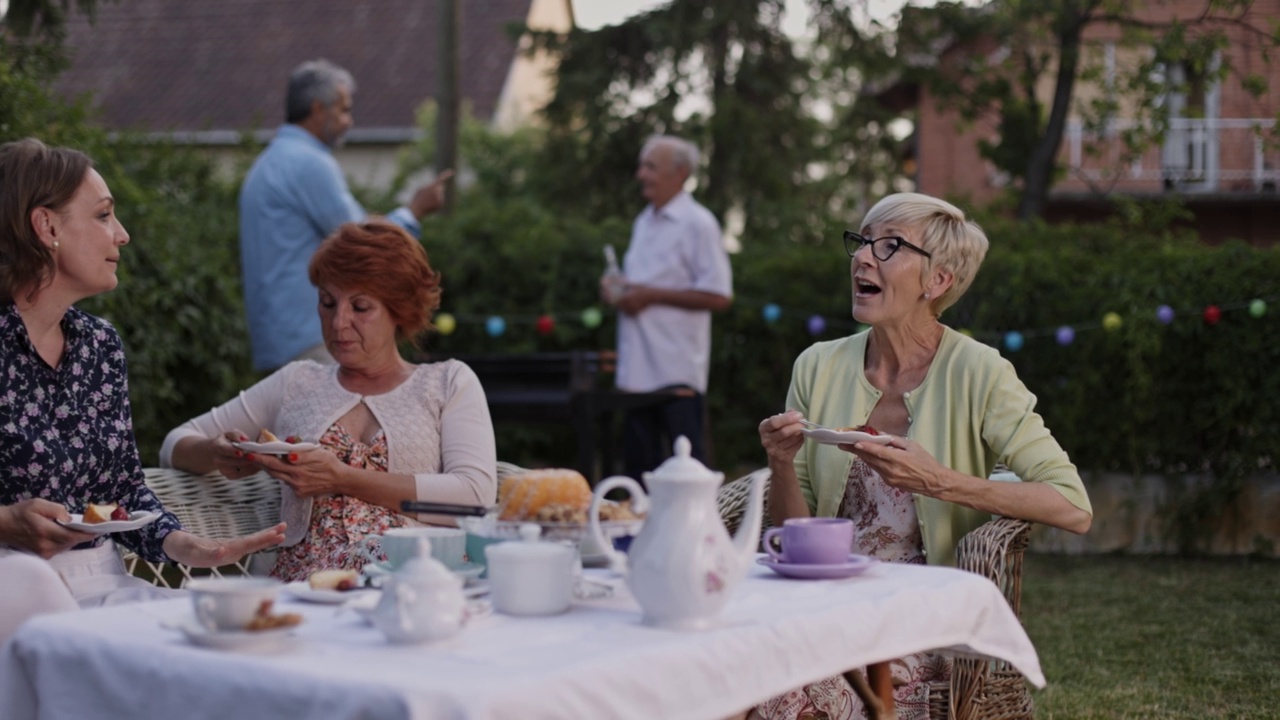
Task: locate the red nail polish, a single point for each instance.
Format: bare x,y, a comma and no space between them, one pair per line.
239,454
249,457
293,457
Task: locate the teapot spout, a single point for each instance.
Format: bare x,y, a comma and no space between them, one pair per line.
747,540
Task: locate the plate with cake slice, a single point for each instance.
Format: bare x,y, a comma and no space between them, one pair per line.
847,435
109,518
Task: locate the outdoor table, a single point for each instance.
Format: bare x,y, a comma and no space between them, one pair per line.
596,661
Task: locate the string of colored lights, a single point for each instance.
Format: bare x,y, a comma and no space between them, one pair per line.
772,313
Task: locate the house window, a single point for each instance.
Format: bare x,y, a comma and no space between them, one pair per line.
1189,156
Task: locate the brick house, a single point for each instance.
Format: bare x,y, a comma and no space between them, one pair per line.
1220,154
206,72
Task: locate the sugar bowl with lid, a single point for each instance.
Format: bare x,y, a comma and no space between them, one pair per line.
531,576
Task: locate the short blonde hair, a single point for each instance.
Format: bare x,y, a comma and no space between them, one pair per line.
958,244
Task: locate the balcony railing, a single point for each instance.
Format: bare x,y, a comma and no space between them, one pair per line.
1197,156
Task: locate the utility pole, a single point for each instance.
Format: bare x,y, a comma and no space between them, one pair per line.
447,100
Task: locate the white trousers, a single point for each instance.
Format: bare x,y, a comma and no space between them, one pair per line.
29,586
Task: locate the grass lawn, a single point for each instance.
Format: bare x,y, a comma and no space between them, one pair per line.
1144,637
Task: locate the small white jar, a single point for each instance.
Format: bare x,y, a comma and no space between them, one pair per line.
529,577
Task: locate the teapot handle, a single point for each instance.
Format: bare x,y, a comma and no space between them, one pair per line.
617,560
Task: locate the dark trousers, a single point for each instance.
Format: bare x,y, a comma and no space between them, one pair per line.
649,433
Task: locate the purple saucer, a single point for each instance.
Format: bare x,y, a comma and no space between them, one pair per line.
855,565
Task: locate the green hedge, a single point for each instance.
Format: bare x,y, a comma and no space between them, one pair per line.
1186,397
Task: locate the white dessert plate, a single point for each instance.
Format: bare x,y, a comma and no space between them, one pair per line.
302,590
232,639
827,436
137,519
279,447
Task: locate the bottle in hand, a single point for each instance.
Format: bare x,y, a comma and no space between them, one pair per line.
615,283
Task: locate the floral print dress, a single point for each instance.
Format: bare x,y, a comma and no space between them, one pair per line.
340,523
886,528
66,432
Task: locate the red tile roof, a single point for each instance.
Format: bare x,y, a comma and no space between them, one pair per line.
195,65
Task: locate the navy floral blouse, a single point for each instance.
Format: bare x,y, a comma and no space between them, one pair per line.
66,433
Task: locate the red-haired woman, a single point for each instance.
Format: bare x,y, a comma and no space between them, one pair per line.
389,430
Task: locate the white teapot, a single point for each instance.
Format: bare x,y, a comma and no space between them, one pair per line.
683,564
421,602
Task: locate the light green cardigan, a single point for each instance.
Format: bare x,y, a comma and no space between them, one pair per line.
970,412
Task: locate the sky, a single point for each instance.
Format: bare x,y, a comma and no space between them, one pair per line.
591,14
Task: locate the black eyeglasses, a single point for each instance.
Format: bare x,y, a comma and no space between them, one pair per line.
890,245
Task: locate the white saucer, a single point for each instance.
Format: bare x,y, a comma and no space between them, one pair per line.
855,565
468,570
232,639
302,590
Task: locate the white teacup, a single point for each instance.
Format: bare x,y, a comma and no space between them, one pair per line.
230,604
530,577
400,544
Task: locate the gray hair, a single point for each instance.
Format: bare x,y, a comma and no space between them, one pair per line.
684,154
958,244
311,81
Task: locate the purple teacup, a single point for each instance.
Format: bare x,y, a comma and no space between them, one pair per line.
811,541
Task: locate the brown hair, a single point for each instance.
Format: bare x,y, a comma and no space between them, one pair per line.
32,175
379,258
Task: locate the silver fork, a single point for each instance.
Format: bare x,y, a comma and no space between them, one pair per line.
813,425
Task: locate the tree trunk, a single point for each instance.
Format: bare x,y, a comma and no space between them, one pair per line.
720,150
1043,160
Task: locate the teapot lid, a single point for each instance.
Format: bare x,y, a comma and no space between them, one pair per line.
423,568
683,466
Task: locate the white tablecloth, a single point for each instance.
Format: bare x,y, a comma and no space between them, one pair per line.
596,661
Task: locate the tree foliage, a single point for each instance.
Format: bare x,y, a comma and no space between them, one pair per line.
178,306
1029,63
783,145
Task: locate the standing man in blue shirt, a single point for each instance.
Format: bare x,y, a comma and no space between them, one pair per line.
294,196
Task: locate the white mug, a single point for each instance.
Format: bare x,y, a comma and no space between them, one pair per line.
230,604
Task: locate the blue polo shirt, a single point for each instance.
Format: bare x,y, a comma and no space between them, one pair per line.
294,196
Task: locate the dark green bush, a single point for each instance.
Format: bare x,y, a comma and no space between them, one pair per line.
178,305
1183,398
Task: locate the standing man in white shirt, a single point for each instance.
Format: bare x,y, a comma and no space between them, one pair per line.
677,272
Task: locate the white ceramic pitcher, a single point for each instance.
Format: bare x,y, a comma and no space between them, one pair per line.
683,564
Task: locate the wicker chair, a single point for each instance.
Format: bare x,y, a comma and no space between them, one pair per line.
215,507
979,688
211,506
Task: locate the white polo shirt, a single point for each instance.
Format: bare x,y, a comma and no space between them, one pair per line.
678,247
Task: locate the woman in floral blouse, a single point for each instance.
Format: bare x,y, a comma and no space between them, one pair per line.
389,430
66,429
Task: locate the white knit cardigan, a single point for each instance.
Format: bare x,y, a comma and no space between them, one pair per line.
436,424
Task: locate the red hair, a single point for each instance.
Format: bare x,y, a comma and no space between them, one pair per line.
380,259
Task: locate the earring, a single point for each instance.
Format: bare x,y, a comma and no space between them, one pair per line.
926,296
55,246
